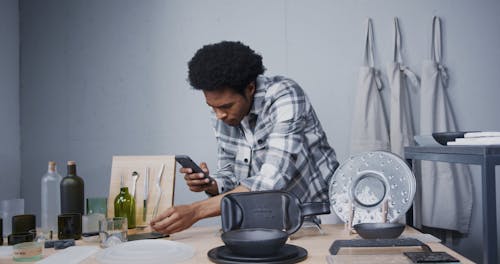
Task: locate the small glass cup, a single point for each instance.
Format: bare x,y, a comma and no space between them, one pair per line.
97,205
23,223
9,208
28,251
112,231
69,226
90,223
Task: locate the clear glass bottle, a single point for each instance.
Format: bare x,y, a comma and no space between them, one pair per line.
51,205
125,205
72,192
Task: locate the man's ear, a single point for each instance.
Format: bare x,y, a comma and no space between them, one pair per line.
250,89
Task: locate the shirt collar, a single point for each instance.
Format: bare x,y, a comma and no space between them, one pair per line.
261,84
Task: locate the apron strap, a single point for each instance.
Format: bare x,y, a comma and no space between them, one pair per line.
368,56
398,57
436,49
397,42
436,40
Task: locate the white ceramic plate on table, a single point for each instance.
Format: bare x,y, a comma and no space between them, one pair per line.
146,251
368,180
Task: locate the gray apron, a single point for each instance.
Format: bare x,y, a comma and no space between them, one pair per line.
369,123
446,188
401,121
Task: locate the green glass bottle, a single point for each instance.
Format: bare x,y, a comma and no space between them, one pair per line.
125,205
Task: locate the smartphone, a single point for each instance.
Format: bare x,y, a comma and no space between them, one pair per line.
187,162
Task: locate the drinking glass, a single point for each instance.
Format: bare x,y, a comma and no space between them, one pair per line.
8,209
97,205
112,231
69,226
96,210
23,223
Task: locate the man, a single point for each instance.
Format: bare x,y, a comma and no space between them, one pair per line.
268,135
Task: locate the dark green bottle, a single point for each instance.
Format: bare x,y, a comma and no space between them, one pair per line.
72,191
125,205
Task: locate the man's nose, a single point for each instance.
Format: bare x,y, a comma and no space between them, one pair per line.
220,114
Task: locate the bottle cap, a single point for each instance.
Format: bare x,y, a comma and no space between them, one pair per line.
71,162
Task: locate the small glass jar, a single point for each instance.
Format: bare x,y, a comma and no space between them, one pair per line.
27,251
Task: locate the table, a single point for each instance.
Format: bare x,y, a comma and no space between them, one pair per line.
205,238
487,157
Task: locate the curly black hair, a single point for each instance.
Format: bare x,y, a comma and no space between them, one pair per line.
225,64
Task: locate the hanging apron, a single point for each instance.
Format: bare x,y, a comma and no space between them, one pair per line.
369,123
401,121
446,187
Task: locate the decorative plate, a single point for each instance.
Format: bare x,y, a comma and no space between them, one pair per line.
366,181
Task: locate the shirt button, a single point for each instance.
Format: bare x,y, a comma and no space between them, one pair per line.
259,141
245,160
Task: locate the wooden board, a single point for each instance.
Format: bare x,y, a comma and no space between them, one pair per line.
126,165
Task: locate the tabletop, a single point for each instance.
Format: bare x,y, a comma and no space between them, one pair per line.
202,239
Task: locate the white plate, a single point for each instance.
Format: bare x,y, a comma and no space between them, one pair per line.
146,251
365,181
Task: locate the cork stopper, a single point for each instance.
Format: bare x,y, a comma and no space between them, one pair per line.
52,166
71,168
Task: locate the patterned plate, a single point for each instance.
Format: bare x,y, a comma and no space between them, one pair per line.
365,181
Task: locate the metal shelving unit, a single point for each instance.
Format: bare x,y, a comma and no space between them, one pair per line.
485,156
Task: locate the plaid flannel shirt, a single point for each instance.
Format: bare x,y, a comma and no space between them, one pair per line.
279,145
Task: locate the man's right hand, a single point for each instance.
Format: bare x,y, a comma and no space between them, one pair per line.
196,181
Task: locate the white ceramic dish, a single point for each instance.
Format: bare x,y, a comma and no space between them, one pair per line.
366,181
146,251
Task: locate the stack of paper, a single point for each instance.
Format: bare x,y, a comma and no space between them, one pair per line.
478,138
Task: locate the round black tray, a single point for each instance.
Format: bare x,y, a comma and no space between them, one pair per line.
287,255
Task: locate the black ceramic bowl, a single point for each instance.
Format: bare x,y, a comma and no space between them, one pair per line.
379,230
444,137
255,242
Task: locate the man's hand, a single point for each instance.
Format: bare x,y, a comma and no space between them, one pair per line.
175,219
180,217
196,181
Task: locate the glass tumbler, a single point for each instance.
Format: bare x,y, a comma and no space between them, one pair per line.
97,205
8,209
112,231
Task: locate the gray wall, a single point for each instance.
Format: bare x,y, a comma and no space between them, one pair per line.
10,150
104,78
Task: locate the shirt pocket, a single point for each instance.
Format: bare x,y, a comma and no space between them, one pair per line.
228,150
261,146
261,136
